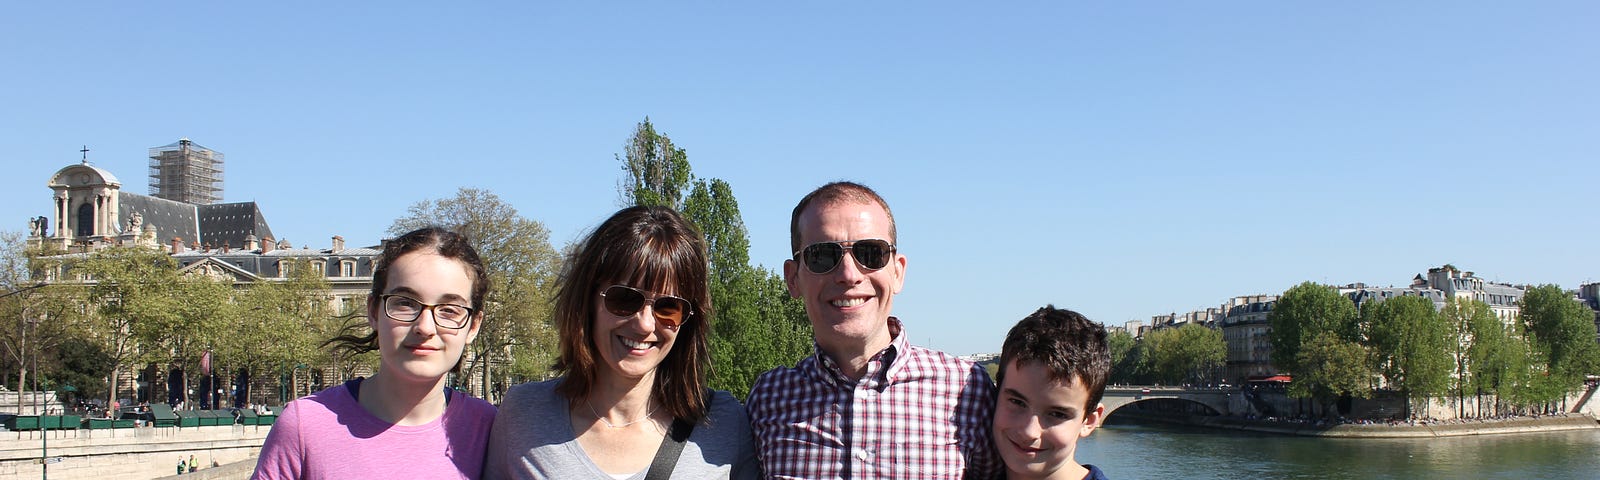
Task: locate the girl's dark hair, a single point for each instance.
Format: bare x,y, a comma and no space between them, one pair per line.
652,248
435,240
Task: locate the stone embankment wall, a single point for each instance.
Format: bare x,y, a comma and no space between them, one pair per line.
1551,423
127,453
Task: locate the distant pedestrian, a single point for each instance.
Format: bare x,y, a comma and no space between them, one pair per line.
193,465
181,466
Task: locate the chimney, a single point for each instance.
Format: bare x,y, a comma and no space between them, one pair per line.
250,243
338,243
266,244
177,245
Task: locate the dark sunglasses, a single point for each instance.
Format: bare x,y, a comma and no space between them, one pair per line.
823,257
624,301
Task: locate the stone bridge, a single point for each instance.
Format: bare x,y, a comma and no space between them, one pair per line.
1221,400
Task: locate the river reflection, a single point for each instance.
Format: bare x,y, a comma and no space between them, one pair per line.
1158,451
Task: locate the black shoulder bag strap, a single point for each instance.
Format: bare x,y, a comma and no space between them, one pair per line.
671,448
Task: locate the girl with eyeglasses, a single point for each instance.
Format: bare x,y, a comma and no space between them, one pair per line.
425,308
633,312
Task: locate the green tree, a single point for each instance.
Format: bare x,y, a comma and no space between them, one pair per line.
1302,313
183,321
1411,346
281,323
1562,330
657,172
35,318
1121,344
1496,360
755,325
1190,353
132,295
522,267
1341,370
81,364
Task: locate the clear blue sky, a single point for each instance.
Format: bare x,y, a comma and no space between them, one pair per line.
1123,159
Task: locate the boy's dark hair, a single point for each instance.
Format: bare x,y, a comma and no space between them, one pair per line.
1069,345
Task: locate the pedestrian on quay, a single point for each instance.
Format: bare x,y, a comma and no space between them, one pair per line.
633,311
862,405
424,310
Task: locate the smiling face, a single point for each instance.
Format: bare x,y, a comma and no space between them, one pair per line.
1039,421
631,347
849,305
421,351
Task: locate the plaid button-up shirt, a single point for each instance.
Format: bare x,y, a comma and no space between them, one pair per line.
917,413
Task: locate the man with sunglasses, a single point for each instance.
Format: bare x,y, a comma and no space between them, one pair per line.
866,404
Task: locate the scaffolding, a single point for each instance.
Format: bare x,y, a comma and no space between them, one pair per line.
186,172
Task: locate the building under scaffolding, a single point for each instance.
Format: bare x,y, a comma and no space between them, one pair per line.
186,172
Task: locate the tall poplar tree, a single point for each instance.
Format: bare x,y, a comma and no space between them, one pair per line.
755,324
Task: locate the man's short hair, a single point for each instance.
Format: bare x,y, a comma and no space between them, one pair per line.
1063,341
842,191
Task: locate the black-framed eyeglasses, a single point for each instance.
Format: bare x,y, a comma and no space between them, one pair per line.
823,257
624,301
405,309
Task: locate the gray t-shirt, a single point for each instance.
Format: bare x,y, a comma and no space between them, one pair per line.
533,439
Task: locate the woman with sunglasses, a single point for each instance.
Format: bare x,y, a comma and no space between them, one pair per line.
633,313
425,307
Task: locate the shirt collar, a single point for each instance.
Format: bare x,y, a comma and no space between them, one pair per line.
894,355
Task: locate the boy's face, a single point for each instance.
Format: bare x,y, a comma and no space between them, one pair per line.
1039,421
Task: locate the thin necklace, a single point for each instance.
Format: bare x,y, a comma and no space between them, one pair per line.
625,425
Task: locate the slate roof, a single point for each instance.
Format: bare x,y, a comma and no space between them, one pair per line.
230,223
214,224
170,218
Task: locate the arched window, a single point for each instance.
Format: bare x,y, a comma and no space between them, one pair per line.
85,220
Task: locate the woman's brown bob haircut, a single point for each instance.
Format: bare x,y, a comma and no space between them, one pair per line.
650,248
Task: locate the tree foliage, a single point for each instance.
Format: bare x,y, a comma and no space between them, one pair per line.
657,172
745,340
756,325
133,299
1411,345
1302,313
522,267
1562,330
1124,360
1190,353
1496,358
282,323
35,318
1341,369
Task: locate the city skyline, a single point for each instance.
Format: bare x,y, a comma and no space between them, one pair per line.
1124,161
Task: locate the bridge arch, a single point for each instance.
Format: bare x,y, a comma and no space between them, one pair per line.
1219,401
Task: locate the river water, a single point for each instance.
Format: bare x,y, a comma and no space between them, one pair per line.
1128,451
